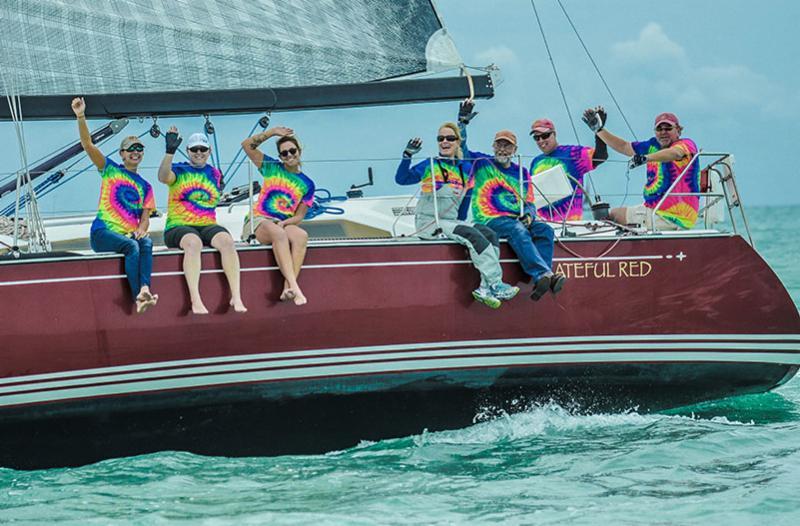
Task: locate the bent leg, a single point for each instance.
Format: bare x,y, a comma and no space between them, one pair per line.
268,232
521,243
481,252
108,241
543,239
298,244
192,247
223,242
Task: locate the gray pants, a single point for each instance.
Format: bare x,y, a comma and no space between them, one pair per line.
481,241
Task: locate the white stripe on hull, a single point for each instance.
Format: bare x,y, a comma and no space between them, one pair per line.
74,279
395,359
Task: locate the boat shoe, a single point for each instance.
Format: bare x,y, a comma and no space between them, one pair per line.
485,296
504,291
557,283
542,286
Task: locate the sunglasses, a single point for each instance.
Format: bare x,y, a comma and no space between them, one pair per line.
541,136
287,152
665,128
448,138
200,149
134,148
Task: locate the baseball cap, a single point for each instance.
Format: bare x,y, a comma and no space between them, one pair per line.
197,139
507,135
542,126
129,141
670,118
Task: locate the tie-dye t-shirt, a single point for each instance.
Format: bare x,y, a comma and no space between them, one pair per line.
123,196
452,172
681,210
193,196
496,189
282,191
576,162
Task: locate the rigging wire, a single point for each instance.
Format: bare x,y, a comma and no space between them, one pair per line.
597,69
555,71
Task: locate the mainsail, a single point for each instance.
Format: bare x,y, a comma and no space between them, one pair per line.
139,57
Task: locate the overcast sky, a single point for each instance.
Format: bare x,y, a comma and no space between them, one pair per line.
727,69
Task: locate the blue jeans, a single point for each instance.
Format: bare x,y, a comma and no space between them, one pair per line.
533,245
138,255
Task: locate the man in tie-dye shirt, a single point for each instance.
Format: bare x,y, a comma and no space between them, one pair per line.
194,192
286,195
667,155
576,161
502,199
123,212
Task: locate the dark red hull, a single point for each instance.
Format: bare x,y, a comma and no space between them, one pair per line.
390,342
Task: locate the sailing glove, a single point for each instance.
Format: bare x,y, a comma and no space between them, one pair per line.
413,146
173,141
637,160
594,118
465,113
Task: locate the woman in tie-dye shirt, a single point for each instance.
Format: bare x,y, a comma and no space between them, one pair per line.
285,197
194,192
123,215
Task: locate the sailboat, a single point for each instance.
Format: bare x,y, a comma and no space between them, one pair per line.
392,343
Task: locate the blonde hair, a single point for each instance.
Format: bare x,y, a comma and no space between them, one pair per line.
454,128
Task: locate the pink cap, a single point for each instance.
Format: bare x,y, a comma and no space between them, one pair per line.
670,118
507,135
542,126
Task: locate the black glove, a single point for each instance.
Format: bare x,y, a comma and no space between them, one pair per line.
413,146
173,141
595,118
637,160
465,113
526,219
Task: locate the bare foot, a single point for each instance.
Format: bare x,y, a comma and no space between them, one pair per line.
299,299
287,294
199,308
238,306
145,301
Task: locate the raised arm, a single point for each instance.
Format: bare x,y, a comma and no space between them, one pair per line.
173,140
94,153
406,175
251,144
595,120
465,115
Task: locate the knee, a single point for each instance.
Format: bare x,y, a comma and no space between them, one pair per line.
223,242
297,236
489,234
191,244
130,247
473,236
544,230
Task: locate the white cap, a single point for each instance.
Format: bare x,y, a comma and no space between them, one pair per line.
198,139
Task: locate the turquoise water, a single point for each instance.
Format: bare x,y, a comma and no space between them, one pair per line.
735,461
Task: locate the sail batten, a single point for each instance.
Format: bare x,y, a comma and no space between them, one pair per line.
58,48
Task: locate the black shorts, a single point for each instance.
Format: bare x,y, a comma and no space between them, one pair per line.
173,236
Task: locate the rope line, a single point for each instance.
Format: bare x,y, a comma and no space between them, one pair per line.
555,71
597,69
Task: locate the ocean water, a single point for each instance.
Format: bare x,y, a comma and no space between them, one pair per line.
734,461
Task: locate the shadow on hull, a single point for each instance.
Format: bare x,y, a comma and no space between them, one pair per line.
317,416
